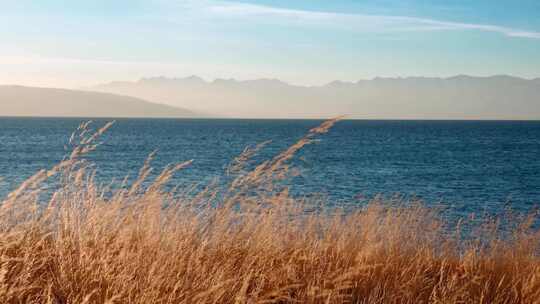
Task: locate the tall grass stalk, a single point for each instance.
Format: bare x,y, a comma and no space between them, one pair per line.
248,243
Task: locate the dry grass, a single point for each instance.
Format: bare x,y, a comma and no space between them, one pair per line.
249,243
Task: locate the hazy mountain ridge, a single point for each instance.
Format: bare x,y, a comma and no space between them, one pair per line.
33,101
457,97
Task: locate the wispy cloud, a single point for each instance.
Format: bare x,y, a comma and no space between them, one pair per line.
354,22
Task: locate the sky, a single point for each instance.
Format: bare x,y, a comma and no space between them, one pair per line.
74,44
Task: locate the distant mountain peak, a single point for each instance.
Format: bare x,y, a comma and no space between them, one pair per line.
461,77
193,79
339,83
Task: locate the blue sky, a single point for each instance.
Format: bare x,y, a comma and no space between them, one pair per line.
77,43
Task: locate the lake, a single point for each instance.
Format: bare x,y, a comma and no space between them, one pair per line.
468,166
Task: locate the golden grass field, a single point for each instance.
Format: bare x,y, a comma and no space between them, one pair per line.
248,243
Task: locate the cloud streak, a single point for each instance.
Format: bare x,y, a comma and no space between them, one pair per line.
352,22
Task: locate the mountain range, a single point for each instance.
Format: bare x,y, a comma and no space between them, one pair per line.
458,97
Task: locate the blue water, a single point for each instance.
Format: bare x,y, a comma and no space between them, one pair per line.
469,166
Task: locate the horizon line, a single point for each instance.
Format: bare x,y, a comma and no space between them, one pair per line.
322,118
